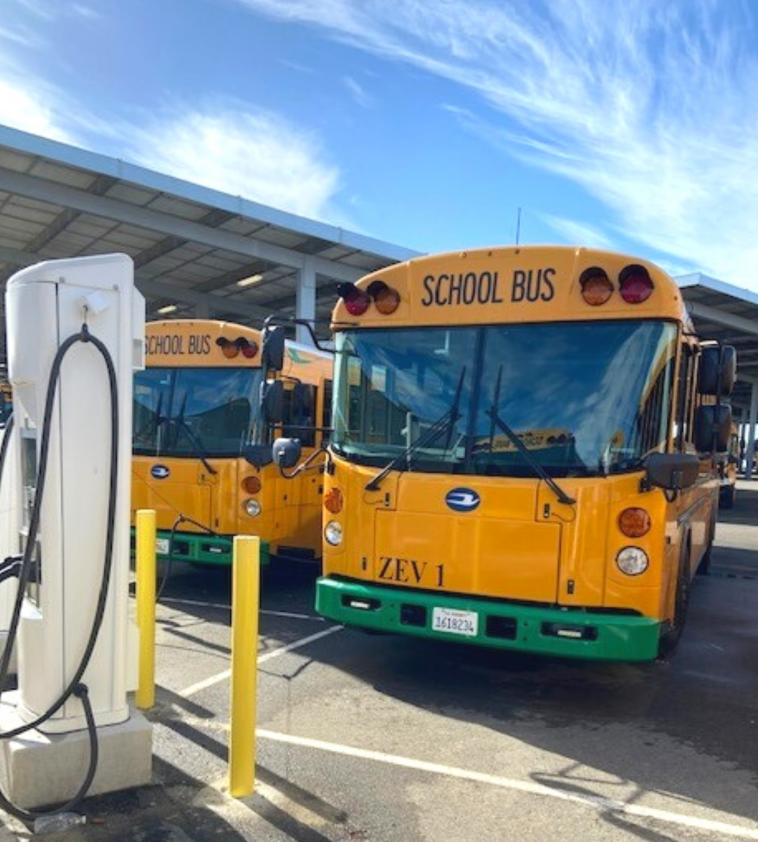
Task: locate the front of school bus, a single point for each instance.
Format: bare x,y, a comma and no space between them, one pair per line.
492,413
197,421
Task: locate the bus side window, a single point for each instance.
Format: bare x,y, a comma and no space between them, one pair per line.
684,400
298,417
652,424
326,413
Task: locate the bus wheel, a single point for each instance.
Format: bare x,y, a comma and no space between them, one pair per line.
704,568
671,637
727,498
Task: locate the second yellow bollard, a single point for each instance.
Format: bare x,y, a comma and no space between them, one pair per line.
145,527
245,606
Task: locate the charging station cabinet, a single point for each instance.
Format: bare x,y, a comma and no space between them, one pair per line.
45,305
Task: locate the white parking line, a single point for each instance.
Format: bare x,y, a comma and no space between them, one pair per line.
266,656
199,604
595,801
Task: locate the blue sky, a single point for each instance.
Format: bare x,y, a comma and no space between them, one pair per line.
626,125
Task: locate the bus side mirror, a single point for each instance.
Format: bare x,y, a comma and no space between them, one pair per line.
286,452
272,401
713,428
718,371
258,455
672,471
272,355
728,369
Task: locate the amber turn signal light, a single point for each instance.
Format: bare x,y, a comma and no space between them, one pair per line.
386,299
252,485
596,286
333,501
634,522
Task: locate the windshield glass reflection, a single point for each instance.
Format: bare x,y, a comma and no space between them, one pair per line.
583,398
194,411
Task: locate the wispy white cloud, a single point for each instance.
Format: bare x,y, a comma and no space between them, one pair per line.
357,92
647,105
254,154
40,8
20,35
86,12
27,106
229,147
293,65
580,233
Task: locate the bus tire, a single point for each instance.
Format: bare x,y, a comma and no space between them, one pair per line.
670,638
704,568
727,498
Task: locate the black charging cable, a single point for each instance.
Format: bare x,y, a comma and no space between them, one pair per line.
75,687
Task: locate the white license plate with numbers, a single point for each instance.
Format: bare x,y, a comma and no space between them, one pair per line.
161,546
453,621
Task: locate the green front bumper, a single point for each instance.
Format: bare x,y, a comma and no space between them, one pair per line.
201,549
545,631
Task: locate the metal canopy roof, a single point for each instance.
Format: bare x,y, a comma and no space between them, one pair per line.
190,245
728,314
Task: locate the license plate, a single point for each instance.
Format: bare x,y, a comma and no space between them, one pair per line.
453,621
161,546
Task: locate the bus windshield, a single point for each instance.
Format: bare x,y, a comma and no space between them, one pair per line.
194,412
582,398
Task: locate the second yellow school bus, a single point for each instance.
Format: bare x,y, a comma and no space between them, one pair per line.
522,454
200,436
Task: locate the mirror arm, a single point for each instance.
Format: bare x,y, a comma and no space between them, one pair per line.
671,494
304,466
273,320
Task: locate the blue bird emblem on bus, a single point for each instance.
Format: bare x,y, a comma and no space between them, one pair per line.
160,471
462,499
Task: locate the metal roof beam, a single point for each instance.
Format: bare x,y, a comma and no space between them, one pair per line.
100,185
18,257
215,303
169,244
44,190
323,293
713,314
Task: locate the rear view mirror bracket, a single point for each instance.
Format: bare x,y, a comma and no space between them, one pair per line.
672,472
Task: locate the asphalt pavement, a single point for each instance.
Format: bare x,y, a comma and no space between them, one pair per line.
395,740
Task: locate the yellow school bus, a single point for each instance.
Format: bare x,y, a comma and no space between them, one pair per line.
201,441
522,454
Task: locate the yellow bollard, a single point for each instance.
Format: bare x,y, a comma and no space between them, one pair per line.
245,605
145,696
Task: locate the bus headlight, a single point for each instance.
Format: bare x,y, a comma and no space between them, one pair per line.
252,507
632,561
333,533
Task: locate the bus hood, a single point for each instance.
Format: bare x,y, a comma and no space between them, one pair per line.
488,537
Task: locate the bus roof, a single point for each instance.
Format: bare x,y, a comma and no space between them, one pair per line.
208,342
510,284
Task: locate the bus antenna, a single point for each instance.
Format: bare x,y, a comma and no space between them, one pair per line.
518,224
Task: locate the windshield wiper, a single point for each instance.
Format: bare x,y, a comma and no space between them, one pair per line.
444,424
524,451
192,436
153,422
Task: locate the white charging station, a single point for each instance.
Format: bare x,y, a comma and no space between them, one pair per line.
45,305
